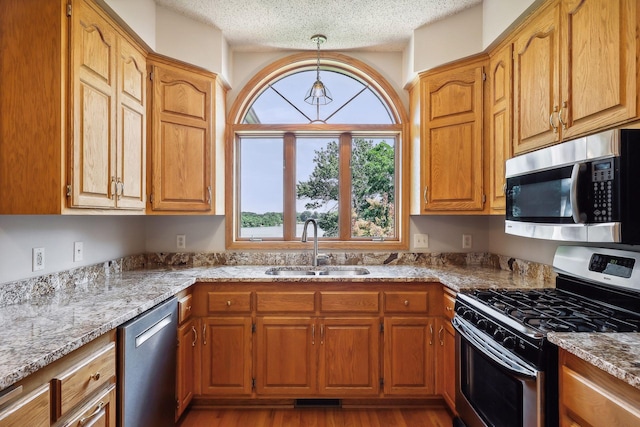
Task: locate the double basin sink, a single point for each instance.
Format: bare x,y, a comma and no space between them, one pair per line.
316,271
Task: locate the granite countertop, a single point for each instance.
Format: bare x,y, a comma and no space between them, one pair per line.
43,329
617,354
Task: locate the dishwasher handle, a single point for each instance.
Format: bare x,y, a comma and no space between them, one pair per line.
153,330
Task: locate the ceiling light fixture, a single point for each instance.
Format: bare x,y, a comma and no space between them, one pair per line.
318,94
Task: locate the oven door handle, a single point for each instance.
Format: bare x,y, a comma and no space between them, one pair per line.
509,363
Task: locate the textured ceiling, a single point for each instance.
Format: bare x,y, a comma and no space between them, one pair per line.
258,25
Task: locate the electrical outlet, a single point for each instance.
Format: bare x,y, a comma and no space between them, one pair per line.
420,241
467,241
37,259
181,241
78,251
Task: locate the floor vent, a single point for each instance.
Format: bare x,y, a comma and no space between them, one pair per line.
318,403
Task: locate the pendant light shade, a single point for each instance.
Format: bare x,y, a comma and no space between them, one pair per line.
318,94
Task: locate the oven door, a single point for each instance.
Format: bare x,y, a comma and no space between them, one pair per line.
493,386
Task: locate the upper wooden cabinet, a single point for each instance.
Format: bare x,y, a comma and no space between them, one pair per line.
182,131
500,107
574,71
73,105
452,138
108,96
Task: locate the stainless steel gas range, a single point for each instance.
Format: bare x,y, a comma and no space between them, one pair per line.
506,368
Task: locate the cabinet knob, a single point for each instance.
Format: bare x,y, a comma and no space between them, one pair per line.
406,303
188,308
449,309
229,303
95,376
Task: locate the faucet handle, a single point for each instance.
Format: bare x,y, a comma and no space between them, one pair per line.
322,257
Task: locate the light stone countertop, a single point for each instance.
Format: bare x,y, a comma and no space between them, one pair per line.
616,354
41,330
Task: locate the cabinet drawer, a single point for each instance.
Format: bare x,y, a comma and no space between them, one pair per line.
449,303
100,411
229,302
300,302
32,410
81,380
184,308
351,302
406,302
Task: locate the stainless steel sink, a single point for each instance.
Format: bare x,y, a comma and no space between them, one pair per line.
291,271
315,271
357,271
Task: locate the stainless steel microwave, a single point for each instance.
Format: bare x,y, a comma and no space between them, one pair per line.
583,190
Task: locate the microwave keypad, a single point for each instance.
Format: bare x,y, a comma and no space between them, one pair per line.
602,179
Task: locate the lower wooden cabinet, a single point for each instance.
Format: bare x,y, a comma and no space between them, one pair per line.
447,363
590,397
31,410
100,411
185,370
226,356
409,353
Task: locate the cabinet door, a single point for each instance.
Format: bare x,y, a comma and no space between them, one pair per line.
349,351
185,372
32,410
500,135
93,77
452,143
226,356
132,123
181,140
447,363
598,64
536,90
409,353
286,351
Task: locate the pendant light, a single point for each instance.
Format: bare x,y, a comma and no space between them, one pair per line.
318,94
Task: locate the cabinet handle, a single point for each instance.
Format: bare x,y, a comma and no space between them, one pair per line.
313,334
95,376
440,337
448,308
424,194
229,303
406,303
188,308
562,122
204,334
553,126
209,195
98,410
504,189
195,336
431,338
114,187
119,189
322,334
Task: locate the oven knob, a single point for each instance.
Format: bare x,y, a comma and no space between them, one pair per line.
498,335
482,324
509,342
469,315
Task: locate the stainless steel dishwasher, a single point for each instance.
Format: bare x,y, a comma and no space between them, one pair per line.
147,368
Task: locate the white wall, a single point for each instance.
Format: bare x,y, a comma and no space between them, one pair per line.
203,233
445,232
499,16
139,16
447,40
104,238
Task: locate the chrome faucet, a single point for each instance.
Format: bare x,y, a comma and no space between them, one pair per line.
316,256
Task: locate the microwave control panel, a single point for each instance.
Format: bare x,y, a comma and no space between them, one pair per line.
603,197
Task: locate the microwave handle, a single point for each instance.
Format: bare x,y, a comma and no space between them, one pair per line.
578,217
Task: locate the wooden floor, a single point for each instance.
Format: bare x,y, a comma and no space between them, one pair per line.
317,417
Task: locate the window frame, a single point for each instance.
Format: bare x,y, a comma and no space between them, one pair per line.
236,129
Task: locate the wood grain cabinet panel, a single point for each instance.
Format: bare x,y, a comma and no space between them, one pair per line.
349,302
100,411
285,301
185,365
406,302
229,302
31,410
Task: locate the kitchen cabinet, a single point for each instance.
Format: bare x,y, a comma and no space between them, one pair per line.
73,122
80,385
574,71
500,105
590,397
186,353
452,138
446,363
184,101
30,410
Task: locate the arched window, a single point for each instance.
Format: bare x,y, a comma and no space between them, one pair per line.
340,163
